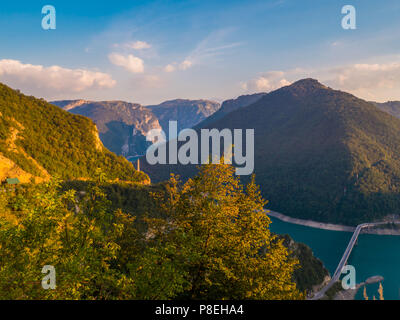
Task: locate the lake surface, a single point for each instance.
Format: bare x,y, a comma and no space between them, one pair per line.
374,254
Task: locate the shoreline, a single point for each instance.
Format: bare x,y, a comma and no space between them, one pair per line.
310,223
328,226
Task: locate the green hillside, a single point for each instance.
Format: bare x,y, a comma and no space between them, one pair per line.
319,153
38,140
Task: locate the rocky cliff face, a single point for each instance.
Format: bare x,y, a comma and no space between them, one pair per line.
188,113
70,104
122,125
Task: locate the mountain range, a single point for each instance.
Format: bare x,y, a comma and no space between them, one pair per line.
123,126
39,140
320,153
188,113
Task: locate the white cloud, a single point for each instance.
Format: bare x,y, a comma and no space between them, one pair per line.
169,68
366,76
135,45
138,45
266,82
186,64
38,78
376,81
129,62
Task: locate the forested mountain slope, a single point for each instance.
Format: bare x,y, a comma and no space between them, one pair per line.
320,153
231,105
39,140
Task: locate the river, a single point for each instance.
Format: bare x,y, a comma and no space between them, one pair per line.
374,254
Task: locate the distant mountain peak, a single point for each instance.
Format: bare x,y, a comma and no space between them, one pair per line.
308,83
305,86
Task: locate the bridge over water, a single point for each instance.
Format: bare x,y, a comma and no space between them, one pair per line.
345,257
327,226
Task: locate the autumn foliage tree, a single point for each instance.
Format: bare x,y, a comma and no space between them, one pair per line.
214,242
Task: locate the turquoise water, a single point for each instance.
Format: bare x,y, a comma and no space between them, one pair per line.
374,254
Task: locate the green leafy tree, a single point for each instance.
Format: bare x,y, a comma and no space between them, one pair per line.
53,230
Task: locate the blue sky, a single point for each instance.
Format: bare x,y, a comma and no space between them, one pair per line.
150,51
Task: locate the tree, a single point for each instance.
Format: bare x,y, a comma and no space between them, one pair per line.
214,242
50,230
210,239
